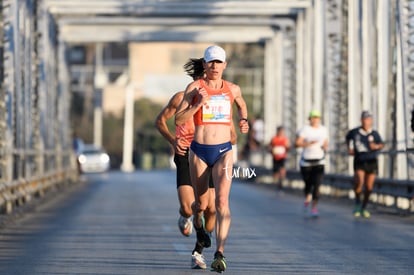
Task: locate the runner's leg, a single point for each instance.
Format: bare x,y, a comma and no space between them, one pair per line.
199,173
306,175
186,199
210,213
210,220
185,194
199,177
317,175
222,183
358,184
369,186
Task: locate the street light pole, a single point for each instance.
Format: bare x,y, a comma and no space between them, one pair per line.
127,165
100,81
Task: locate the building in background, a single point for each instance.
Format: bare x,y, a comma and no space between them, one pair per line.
155,70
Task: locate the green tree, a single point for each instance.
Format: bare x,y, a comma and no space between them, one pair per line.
148,137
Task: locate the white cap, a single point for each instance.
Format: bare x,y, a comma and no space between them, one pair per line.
214,53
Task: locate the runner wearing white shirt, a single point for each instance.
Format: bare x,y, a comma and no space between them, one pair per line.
313,138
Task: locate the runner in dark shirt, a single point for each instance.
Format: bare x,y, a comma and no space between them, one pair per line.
364,144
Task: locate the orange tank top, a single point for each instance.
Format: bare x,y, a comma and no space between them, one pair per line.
279,147
185,131
218,108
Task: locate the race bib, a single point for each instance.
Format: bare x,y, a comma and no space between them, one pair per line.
217,109
279,150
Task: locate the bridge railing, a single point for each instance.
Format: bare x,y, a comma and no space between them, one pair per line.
29,181
35,140
388,191
398,194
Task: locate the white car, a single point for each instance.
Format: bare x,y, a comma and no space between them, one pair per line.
93,159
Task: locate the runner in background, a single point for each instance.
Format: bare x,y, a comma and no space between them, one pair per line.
279,147
313,138
364,144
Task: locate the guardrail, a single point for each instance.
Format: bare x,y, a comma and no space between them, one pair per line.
393,193
394,186
35,141
22,190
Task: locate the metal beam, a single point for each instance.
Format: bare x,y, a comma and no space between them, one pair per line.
366,94
289,81
174,21
406,36
353,65
171,8
84,34
318,54
272,77
218,29
300,68
335,107
383,51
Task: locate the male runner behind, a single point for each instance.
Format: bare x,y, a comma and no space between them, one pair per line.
181,142
209,102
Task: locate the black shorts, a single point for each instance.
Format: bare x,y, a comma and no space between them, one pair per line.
278,164
368,166
183,171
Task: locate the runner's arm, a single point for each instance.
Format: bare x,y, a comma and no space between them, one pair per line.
377,144
242,108
186,109
233,134
301,141
325,145
166,113
287,145
349,143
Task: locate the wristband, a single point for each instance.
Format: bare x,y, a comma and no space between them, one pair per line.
245,119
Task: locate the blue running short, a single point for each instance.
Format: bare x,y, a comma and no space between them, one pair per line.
183,171
210,154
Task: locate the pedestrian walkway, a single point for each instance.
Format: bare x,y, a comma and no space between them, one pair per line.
127,224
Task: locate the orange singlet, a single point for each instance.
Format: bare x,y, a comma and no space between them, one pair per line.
279,147
185,131
218,108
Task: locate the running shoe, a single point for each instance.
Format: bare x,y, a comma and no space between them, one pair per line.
314,212
198,261
185,225
219,263
203,237
357,211
365,213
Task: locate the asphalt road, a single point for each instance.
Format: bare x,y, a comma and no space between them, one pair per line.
127,224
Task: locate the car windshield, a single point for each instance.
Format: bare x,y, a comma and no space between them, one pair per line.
90,151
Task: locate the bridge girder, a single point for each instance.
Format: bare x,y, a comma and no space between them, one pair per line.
176,8
195,21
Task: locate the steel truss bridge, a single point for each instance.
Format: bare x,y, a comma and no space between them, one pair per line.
339,56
